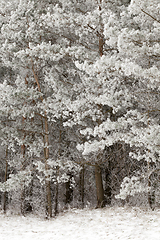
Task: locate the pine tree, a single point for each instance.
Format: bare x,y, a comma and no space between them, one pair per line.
34,98
102,96
116,81
138,42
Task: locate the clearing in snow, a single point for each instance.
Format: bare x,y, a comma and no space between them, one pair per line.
97,224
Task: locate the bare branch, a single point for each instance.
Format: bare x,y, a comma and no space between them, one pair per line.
150,16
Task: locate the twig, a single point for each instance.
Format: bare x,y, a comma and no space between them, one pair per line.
150,16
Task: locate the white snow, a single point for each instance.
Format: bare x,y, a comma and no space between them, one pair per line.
96,224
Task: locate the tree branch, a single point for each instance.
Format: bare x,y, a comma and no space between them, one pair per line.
150,16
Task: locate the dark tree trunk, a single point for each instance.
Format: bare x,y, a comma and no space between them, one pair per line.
108,189
81,186
48,182
69,190
101,36
56,200
28,204
99,187
151,199
152,184
56,193
98,173
22,200
48,199
5,179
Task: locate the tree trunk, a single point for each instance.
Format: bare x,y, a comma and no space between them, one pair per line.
46,149
101,35
108,190
5,179
48,198
56,193
81,186
152,182
69,190
151,199
23,167
99,187
48,183
98,173
57,170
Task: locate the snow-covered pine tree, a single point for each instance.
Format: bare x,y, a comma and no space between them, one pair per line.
119,75
102,96
92,64
33,48
139,44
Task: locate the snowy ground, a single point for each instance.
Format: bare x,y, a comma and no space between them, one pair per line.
97,224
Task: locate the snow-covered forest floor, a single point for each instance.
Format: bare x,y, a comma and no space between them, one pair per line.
97,224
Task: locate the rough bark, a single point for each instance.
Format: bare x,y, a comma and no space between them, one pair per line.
108,189
69,190
151,199
99,187
81,186
23,166
56,193
101,36
48,183
49,202
46,149
98,173
5,179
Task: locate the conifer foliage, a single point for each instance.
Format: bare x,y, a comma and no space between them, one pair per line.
79,94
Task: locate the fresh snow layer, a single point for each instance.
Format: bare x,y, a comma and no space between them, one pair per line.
97,224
